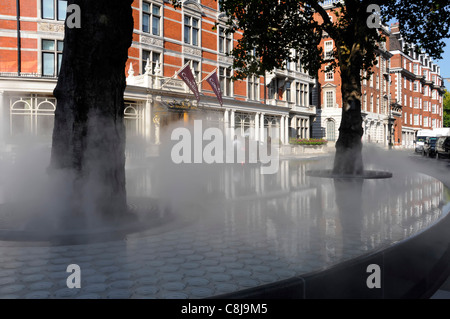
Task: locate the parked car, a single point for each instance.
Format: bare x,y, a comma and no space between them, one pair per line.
443,147
429,146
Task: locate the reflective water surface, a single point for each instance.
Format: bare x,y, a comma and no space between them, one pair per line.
239,229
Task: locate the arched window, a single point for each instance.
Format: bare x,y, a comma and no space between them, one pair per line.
331,130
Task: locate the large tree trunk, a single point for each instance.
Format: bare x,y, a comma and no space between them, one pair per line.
89,133
348,158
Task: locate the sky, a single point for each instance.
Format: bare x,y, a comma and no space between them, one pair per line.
445,63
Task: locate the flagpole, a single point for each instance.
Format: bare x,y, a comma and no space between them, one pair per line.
208,76
175,75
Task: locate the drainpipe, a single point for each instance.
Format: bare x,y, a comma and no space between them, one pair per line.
19,55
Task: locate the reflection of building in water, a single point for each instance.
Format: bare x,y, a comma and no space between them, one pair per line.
295,213
390,211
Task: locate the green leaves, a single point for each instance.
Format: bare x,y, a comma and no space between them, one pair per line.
291,30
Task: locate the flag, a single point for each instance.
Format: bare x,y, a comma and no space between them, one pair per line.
213,81
186,75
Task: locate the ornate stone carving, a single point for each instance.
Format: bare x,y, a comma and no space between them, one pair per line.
152,41
226,59
50,27
192,51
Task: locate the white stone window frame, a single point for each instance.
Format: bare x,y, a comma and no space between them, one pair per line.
224,90
194,10
161,18
191,65
327,51
152,51
40,9
223,40
253,82
55,57
329,76
325,98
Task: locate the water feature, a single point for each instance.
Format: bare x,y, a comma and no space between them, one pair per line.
234,229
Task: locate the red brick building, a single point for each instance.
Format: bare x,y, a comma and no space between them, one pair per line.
165,38
417,90
403,95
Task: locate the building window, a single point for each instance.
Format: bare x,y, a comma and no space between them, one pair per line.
302,94
54,8
288,91
378,82
151,18
416,86
225,81
191,30
153,57
329,76
406,100
225,41
416,119
329,99
416,102
331,130
195,67
365,101
371,103
371,80
51,57
253,88
378,105
328,45
406,118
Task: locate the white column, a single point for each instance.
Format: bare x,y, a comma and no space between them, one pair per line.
307,128
282,122
257,127
226,119
286,130
261,125
2,118
232,124
148,119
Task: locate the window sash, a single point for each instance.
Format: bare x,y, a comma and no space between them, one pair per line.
48,9
62,9
151,18
329,99
48,63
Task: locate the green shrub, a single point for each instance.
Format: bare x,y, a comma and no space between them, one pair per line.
307,141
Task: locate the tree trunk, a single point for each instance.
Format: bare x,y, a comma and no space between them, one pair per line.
89,132
348,158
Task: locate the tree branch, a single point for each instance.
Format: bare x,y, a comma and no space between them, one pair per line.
327,24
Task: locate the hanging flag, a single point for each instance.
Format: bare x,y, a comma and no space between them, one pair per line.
213,81
186,75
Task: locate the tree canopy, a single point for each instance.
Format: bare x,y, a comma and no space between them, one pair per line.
447,109
291,29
